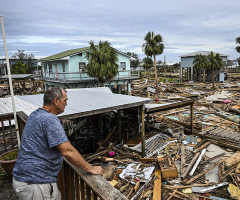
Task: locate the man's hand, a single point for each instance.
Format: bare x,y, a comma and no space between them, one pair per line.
97,170
72,155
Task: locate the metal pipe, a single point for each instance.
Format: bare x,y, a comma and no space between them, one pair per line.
10,80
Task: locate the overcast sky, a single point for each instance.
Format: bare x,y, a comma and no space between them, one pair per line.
47,27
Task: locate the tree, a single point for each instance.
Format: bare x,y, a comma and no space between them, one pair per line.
19,68
25,58
153,46
199,63
238,42
102,61
238,59
147,64
214,63
175,66
134,62
160,66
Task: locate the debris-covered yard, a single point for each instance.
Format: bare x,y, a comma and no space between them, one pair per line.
177,165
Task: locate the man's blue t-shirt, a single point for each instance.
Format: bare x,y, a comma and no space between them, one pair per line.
39,160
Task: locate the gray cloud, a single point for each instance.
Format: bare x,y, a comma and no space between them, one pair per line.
49,27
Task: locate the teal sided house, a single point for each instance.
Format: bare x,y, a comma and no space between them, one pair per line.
68,70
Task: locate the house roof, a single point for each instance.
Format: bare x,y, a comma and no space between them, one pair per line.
64,54
69,53
205,53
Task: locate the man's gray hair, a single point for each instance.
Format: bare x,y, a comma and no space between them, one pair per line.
51,94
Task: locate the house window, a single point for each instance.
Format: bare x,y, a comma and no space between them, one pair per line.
82,67
123,65
45,68
63,67
50,67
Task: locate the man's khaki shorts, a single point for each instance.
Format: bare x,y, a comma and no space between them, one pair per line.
27,191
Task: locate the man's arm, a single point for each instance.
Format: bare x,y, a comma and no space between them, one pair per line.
73,156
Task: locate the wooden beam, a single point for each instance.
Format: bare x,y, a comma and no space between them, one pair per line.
143,132
101,124
191,119
119,126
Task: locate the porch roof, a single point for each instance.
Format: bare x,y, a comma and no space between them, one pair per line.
82,102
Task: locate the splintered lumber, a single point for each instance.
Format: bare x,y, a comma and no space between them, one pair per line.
147,159
167,171
124,187
157,186
137,186
157,190
234,160
187,186
207,170
198,161
90,158
202,147
220,172
227,173
175,195
190,165
115,177
171,194
130,193
107,138
175,191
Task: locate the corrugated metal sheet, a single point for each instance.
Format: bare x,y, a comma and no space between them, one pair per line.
6,107
79,101
90,99
18,76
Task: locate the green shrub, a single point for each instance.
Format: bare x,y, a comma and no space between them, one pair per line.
10,156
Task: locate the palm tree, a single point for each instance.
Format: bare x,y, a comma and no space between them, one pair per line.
102,61
153,46
214,63
238,42
199,63
147,64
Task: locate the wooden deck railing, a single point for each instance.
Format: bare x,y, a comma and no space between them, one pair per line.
8,139
77,184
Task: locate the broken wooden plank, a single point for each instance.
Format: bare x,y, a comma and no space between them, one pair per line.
107,138
190,165
167,171
202,147
147,159
207,170
198,161
157,186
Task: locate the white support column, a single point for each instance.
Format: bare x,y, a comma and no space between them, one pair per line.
10,80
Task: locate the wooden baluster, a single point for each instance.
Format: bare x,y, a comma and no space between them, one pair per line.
77,188
88,192
95,197
4,139
9,121
73,189
82,189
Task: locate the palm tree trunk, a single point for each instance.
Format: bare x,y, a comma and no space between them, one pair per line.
156,74
204,76
200,75
212,77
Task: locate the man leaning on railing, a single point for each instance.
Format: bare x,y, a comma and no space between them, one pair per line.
43,145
